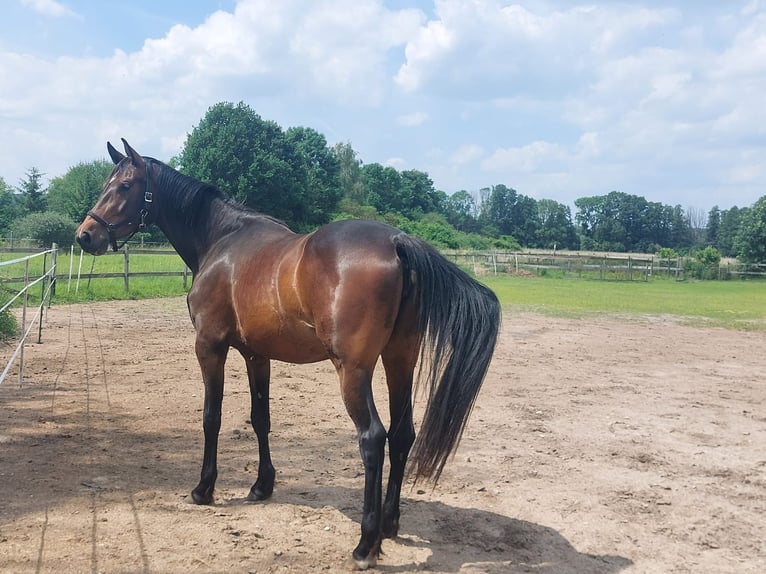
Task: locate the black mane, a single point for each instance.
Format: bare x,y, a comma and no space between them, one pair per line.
192,199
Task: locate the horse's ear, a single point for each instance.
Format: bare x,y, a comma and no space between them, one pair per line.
116,156
134,156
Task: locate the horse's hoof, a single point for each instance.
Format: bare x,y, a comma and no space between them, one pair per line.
256,495
199,499
369,561
355,564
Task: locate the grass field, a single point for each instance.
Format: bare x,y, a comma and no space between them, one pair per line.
729,304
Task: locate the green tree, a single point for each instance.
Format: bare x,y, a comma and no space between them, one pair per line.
555,228
497,208
319,171
622,222
32,191
46,228
382,186
75,192
254,161
418,196
350,174
751,238
10,208
728,230
713,225
460,209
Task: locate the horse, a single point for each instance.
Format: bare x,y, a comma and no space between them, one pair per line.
351,291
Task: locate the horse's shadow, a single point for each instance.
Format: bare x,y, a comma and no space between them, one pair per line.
491,543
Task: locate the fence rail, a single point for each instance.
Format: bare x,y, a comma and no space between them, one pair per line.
596,265
47,281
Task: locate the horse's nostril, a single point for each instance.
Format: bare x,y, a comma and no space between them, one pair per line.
83,238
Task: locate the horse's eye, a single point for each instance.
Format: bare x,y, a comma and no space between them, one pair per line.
125,185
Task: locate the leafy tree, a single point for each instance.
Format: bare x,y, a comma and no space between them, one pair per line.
497,209
254,161
751,237
460,209
417,195
350,175
320,190
621,222
524,220
382,187
713,225
681,230
728,230
555,227
46,228
32,191
75,192
10,208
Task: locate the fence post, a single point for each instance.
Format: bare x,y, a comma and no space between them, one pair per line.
127,269
24,322
54,270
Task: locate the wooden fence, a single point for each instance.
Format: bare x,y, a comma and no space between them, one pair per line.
602,266
126,252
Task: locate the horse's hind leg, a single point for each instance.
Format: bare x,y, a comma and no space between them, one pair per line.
211,361
258,374
399,365
356,388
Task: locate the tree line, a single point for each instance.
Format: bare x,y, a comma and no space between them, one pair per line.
296,176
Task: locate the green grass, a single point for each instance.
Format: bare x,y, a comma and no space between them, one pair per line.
729,304
99,289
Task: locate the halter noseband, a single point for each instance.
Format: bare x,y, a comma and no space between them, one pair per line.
143,213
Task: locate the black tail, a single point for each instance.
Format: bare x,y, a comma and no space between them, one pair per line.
459,319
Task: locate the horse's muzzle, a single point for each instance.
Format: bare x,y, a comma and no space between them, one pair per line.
90,241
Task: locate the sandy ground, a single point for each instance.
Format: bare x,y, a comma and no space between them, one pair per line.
598,445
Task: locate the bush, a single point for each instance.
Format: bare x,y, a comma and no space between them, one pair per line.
46,228
704,265
9,327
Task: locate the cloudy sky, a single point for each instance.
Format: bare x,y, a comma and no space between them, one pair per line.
556,99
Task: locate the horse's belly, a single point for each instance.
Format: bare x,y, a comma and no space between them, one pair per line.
290,344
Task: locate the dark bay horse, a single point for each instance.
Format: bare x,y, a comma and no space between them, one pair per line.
350,292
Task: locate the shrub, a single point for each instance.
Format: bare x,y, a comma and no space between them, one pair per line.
45,228
9,327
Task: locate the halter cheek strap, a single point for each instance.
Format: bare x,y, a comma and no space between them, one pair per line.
143,214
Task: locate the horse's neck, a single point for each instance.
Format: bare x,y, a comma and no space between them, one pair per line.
193,243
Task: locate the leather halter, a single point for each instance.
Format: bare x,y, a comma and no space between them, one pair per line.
143,214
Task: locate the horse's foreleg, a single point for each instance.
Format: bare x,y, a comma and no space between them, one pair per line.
357,396
212,365
258,374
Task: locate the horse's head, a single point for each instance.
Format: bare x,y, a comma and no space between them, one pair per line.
124,204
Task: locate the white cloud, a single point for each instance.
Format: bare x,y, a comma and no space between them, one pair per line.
467,154
49,8
523,158
413,119
396,162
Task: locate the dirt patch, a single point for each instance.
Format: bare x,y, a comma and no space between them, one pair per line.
597,446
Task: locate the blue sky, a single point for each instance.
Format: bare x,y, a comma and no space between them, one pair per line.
557,99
